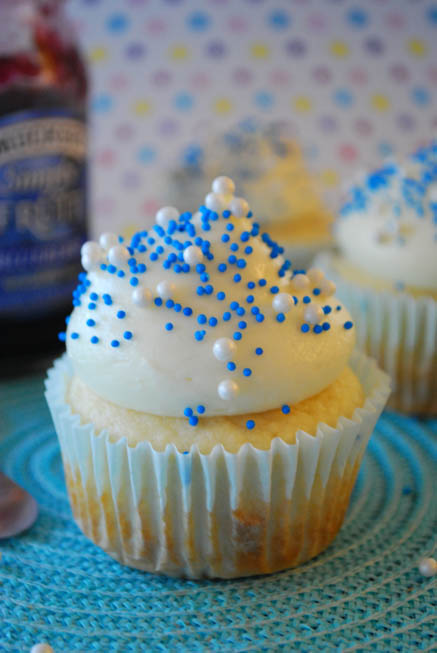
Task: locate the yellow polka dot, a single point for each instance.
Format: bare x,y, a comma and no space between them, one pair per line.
339,49
98,54
417,48
142,108
179,52
380,102
222,105
329,177
259,50
302,103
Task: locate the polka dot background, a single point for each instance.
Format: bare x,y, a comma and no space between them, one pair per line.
357,79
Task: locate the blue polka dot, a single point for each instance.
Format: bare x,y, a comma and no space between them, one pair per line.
264,100
431,15
421,96
192,155
147,154
183,101
385,149
357,17
343,97
102,103
198,21
117,23
279,19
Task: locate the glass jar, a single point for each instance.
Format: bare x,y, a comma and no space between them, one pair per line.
43,206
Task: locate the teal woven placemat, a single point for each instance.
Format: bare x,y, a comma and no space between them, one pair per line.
363,593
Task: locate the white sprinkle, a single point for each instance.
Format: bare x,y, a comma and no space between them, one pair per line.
91,260
315,275
283,302
41,648
223,185
166,214
313,314
118,255
90,247
108,240
227,389
300,281
193,255
328,287
141,297
215,202
428,567
239,207
165,289
224,349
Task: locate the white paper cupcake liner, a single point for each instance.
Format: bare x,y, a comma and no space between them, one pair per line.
400,332
217,515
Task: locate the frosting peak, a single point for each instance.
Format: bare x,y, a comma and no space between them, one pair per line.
202,315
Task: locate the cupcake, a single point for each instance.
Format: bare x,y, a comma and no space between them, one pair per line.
211,417
268,166
386,274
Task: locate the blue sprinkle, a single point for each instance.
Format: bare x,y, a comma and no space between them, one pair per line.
338,308
327,310
222,267
200,268
94,296
103,266
226,214
199,290
121,315
169,303
240,311
157,301
242,324
245,235
274,290
188,411
241,263
92,306
115,343
317,328
76,302
90,322
187,311
193,420
326,326
234,247
230,227
142,268
225,238
120,273
201,319
254,310
226,316
67,319
251,285
154,256
111,269
221,296
231,366
306,299
247,371
94,340
259,317
199,335
169,326
262,282
348,325
177,308
285,409
209,289
305,328
204,277
250,424
107,299
248,250
212,321
200,409
61,336
237,278
233,306
316,291
237,335
127,335
250,299
74,335
232,259
259,351
280,317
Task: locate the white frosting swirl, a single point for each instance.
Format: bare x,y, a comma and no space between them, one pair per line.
205,316
388,228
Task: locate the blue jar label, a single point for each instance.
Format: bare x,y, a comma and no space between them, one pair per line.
42,209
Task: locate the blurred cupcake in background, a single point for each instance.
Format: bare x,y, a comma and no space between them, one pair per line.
386,273
268,165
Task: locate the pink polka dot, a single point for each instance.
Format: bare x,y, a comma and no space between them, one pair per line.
105,158
395,20
124,131
242,76
149,206
399,72
317,22
358,76
322,74
168,127
156,26
199,80
279,77
362,126
432,74
347,152
237,24
118,82
161,78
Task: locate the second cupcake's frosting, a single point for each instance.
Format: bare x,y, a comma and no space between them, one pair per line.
201,315
388,227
